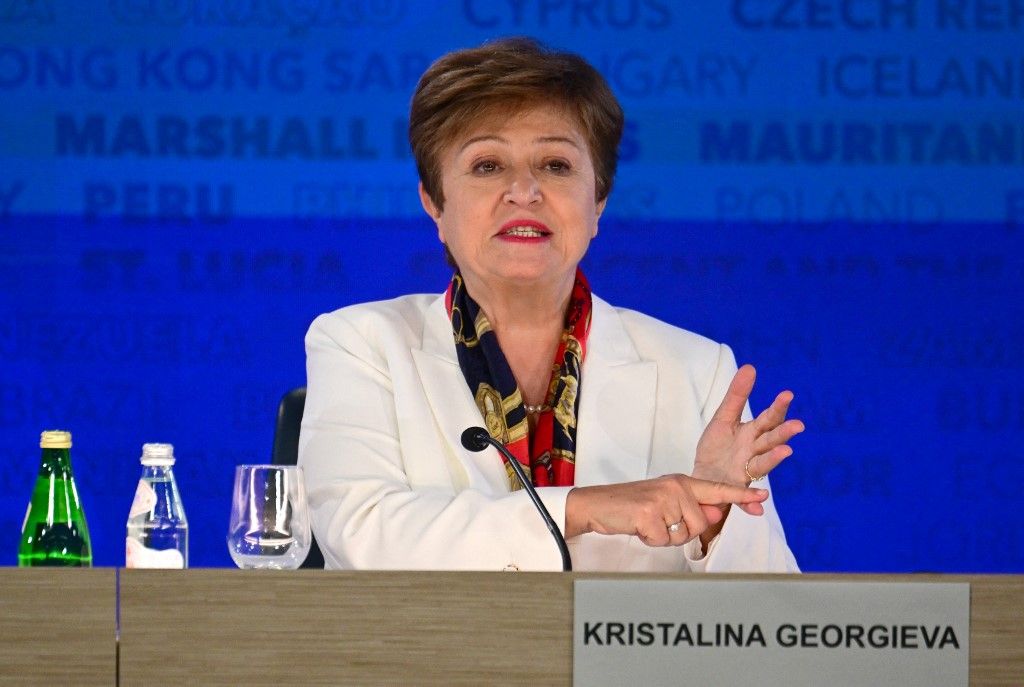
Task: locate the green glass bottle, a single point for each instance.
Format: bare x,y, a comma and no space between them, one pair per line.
54,532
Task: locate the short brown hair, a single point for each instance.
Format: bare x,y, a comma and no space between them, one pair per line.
510,75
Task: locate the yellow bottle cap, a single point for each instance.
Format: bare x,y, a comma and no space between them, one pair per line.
55,438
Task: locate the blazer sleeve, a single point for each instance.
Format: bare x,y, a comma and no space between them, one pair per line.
747,543
368,511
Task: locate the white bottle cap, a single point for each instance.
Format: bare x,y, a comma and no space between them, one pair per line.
157,454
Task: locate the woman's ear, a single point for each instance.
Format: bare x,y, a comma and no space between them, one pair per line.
597,214
428,204
431,209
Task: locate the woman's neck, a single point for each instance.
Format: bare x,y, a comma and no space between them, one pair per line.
528,320
529,306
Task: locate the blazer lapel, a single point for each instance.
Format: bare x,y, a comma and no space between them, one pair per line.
617,404
452,404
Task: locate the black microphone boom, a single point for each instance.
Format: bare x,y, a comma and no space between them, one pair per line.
477,439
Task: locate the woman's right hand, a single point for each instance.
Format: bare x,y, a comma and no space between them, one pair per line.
648,508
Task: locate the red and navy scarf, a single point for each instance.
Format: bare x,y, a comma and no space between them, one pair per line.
550,453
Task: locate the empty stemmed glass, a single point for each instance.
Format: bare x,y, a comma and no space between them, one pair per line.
269,518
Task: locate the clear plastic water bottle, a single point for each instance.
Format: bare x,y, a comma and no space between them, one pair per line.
157,527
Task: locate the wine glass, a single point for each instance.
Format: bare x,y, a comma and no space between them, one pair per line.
269,518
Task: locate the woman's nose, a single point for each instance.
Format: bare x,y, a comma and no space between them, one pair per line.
523,189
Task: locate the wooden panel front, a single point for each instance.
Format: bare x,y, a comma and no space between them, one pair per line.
229,627
57,626
385,628
997,630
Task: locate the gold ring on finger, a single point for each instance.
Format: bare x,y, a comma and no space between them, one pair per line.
746,470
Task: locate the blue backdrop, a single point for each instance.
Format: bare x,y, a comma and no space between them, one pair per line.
833,187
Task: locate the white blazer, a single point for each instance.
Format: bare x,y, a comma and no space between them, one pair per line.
390,485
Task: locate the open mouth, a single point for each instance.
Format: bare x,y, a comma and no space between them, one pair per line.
525,229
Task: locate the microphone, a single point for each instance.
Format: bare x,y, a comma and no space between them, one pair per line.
477,439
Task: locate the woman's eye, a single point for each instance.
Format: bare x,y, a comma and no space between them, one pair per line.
485,167
558,166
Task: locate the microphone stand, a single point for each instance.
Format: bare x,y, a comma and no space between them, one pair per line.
477,439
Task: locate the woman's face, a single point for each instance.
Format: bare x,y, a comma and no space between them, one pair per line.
519,200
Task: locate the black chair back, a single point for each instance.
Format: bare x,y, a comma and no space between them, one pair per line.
286,449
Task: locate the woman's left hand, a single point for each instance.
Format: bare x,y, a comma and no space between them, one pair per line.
733,451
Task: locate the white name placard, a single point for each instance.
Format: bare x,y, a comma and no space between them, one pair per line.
790,632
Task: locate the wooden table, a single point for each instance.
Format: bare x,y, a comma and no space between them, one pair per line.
307,627
415,628
57,626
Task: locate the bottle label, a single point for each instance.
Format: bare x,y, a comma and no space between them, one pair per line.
138,556
145,499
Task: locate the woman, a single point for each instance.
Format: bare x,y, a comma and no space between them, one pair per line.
631,428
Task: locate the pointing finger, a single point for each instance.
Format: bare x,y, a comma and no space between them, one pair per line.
714,493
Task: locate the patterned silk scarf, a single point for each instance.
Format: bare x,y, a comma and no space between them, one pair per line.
550,454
